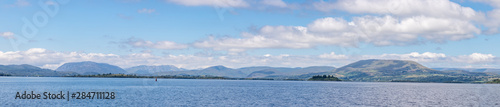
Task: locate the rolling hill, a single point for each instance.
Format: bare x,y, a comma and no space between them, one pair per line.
88,67
288,72
484,70
400,70
213,71
144,69
30,70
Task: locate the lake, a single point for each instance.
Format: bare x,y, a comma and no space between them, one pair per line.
198,92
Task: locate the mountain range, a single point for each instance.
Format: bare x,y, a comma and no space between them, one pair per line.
29,70
489,70
144,69
251,72
363,70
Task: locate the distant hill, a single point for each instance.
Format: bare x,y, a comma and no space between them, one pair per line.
288,72
30,70
486,70
88,67
249,70
252,72
390,70
376,67
213,71
143,69
263,73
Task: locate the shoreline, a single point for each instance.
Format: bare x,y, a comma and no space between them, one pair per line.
269,79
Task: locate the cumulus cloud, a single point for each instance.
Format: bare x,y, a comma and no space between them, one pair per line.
139,43
332,55
429,57
475,58
242,44
144,10
492,23
46,58
414,56
433,8
215,3
7,35
442,10
377,30
410,8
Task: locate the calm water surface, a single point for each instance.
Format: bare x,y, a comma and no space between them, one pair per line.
192,92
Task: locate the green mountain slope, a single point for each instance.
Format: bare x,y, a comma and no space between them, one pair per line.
401,70
88,67
29,70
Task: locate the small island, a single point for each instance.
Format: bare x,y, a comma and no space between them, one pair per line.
324,78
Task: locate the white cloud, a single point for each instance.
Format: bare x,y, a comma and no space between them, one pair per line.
44,58
144,10
215,3
475,58
429,57
377,30
492,22
329,24
139,43
276,3
443,11
431,8
414,56
7,35
240,45
332,55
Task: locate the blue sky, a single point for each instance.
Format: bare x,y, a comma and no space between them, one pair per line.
239,33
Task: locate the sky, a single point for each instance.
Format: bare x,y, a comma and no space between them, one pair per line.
196,34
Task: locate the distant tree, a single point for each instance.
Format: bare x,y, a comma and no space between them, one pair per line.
324,78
